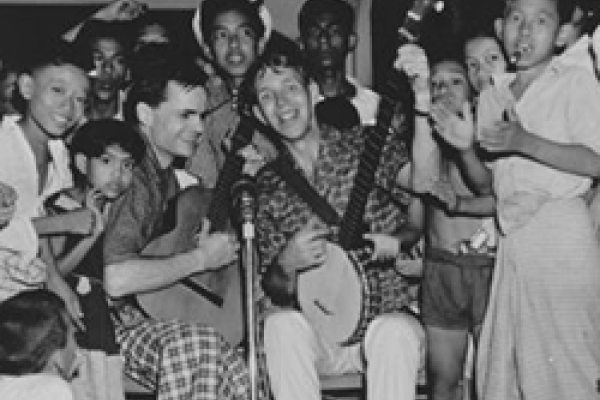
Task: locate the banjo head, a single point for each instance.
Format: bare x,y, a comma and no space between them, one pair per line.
332,295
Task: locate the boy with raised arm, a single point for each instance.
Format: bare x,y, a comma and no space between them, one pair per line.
540,338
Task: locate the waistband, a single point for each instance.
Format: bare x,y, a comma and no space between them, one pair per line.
460,260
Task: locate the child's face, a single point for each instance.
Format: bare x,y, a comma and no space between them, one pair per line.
484,58
574,27
110,67
530,28
56,97
234,43
449,84
111,173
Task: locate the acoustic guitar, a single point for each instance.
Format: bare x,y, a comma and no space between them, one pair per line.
213,298
338,298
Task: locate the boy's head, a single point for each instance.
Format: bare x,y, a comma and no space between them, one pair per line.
54,87
166,102
36,335
232,33
107,47
327,32
484,57
531,30
149,29
450,85
279,87
583,21
103,154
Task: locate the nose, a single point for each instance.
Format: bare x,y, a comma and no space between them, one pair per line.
197,125
234,40
525,27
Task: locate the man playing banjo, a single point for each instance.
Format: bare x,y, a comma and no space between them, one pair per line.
294,242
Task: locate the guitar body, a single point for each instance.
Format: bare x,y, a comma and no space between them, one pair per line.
180,302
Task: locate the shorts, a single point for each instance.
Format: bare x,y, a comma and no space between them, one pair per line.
455,289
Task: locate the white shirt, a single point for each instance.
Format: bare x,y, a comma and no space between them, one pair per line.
19,244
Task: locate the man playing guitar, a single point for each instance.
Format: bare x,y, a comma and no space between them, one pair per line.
293,240
178,360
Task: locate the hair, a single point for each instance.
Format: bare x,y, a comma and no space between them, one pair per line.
95,136
280,52
51,53
93,30
313,9
565,9
485,33
151,80
33,325
211,9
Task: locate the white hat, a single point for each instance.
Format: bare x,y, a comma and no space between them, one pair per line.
263,13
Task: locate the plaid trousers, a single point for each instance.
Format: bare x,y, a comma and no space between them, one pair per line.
183,361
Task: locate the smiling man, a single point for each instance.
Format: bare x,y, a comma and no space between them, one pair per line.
178,360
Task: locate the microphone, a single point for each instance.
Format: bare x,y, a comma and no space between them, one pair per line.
243,195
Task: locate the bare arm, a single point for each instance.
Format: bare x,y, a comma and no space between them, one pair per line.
572,158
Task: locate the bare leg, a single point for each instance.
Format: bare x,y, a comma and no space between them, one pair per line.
446,350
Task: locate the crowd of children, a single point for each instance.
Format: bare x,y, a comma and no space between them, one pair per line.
492,170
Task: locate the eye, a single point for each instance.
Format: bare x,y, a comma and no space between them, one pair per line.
293,87
265,97
456,82
472,65
514,17
128,165
247,32
220,34
106,160
58,89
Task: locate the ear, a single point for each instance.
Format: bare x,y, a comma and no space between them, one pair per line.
300,43
144,113
314,92
206,51
81,163
352,41
564,32
259,114
498,27
26,85
262,43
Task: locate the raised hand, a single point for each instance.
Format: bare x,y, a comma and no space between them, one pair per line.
503,137
457,130
121,10
216,250
92,201
386,247
411,59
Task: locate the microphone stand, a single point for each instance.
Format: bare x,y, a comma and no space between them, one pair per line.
249,258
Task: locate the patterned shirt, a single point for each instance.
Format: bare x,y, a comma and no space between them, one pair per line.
282,213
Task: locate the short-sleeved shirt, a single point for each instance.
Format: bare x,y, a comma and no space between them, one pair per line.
281,212
562,105
137,217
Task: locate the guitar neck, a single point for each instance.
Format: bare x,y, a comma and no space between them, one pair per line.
219,208
351,227
398,93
